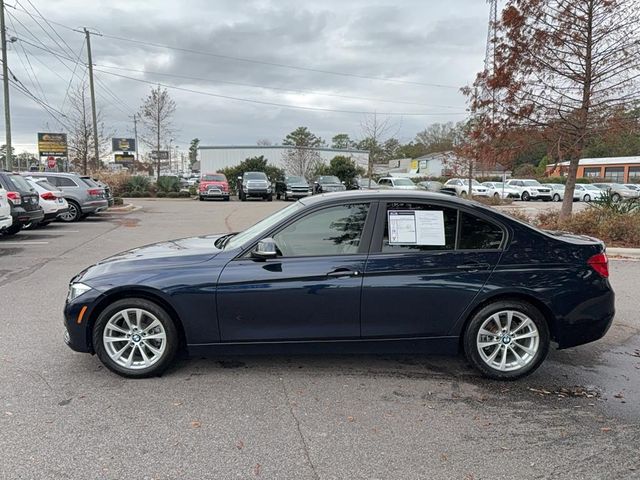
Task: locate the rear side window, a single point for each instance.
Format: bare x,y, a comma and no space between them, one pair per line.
63,181
478,234
450,220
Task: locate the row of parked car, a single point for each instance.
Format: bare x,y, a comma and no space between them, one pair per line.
35,199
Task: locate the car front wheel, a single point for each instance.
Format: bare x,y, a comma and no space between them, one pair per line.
556,197
586,198
507,340
525,196
135,338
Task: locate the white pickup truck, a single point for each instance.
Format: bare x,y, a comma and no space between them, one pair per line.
530,189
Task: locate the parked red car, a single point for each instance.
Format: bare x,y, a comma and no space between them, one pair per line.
213,185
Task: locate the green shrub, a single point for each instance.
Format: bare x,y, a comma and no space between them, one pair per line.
168,184
252,164
606,204
193,190
185,194
138,184
135,194
118,201
161,194
173,194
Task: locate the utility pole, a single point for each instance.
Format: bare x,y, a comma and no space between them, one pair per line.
5,84
135,134
93,104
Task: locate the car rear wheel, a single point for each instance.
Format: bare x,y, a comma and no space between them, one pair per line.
616,197
73,214
556,197
507,340
586,198
525,196
496,195
135,338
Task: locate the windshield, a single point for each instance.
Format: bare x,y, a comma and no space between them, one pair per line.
255,176
496,184
218,177
531,183
403,182
263,225
87,181
328,179
296,180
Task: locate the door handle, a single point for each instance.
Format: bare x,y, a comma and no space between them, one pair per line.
343,272
473,266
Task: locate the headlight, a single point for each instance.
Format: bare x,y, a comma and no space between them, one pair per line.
77,289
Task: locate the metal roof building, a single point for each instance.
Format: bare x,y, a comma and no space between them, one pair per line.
214,158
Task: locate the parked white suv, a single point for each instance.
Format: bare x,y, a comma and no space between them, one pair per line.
52,200
5,211
500,190
397,183
530,189
461,187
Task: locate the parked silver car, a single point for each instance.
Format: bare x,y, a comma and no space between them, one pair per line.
84,196
618,191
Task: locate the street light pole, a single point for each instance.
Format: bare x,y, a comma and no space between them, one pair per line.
5,84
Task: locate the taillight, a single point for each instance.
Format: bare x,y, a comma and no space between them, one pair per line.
95,192
15,197
48,196
600,263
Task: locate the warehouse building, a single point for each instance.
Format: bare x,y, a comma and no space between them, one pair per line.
215,158
612,169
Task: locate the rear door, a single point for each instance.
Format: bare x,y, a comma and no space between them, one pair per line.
422,290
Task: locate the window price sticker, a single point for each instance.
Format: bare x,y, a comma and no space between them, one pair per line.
416,227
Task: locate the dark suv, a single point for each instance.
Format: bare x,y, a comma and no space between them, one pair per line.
24,201
254,184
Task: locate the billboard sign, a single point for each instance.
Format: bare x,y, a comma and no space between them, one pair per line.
123,144
52,144
160,154
124,160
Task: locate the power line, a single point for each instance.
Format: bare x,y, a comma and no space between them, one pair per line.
274,104
33,79
66,94
267,87
254,61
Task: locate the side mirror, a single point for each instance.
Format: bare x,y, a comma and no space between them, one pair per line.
266,248
315,183
343,183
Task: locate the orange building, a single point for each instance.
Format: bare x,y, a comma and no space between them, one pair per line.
612,169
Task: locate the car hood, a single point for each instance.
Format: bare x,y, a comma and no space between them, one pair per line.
168,254
298,184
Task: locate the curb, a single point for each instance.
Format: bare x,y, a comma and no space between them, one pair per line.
623,253
124,209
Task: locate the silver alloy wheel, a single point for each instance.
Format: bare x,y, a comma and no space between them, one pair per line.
134,338
508,340
71,214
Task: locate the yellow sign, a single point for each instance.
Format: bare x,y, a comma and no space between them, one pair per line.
52,144
414,164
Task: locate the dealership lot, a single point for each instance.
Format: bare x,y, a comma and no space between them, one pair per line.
64,415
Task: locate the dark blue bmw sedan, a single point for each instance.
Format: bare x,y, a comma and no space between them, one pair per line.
362,272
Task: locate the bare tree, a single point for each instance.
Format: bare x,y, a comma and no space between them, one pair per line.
156,114
563,67
263,142
302,159
376,131
80,137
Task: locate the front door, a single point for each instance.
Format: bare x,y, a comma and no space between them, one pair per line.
422,290
310,291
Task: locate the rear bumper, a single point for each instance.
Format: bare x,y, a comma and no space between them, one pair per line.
589,323
5,222
95,206
54,215
20,215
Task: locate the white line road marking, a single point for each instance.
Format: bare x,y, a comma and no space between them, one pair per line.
26,242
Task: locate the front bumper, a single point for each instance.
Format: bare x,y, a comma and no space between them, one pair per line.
77,327
213,193
298,194
261,192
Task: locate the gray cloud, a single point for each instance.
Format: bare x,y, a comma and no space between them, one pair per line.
417,41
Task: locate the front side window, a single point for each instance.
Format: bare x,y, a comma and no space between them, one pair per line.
478,234
330,231
450,219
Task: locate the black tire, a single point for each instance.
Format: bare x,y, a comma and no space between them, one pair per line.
586,198
201,198
463,194
556,197
226,199
470,336
171,332
13,229
496,195
526,197
616,197
73,215
269,198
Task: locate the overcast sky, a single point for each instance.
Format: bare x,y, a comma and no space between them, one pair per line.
426,42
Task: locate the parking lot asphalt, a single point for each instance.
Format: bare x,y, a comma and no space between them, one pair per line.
62,415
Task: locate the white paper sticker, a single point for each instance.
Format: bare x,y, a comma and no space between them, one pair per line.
416,227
